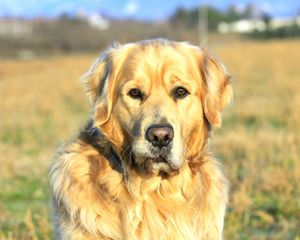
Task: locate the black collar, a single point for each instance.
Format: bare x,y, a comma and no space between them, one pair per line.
115,161
93,136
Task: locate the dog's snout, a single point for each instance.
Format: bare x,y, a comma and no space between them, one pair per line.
160,135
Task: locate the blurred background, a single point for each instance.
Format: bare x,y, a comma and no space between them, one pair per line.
45,46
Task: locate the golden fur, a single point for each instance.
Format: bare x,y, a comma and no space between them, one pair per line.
106,183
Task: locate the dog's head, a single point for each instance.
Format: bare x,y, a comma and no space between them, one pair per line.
155,101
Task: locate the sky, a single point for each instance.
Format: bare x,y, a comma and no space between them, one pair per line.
139,9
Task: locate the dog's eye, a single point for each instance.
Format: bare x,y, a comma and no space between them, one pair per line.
180,92
135,93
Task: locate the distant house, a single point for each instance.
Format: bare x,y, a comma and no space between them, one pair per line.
250,25
15,28
97,21
284,22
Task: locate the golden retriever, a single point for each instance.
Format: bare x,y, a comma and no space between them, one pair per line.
142,167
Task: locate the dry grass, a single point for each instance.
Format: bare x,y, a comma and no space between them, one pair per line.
42,103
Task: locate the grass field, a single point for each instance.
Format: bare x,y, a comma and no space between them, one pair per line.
42,104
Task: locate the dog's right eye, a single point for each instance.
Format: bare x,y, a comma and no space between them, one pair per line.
180,92
135,93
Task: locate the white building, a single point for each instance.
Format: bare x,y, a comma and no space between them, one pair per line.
250,25
15,28
98,22
94,20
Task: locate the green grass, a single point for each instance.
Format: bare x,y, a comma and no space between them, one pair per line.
26,211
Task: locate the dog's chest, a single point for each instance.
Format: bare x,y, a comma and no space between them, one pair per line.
155,218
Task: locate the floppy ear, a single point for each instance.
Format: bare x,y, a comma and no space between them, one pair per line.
217,89
97,74
100,85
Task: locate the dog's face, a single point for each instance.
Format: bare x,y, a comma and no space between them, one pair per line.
156,100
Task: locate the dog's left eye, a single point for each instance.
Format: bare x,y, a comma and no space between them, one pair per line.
180,92
135,93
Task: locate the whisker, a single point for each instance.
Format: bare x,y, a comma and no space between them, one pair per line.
127,130
126,149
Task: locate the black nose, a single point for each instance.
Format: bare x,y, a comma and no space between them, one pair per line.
160,135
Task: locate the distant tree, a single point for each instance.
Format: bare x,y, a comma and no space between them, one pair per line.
180,17
267,18
214,18
233,14
64,16
249,11
190,18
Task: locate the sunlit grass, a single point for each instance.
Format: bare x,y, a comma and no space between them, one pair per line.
259,141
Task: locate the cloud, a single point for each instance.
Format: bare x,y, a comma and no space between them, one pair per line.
265,6
131,7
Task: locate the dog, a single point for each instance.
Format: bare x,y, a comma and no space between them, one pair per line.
142,167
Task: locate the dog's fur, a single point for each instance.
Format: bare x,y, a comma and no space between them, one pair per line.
108,183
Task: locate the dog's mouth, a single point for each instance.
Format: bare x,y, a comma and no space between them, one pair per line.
155,166
160,159
153,161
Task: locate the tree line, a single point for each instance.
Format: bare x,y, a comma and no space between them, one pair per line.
189,18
